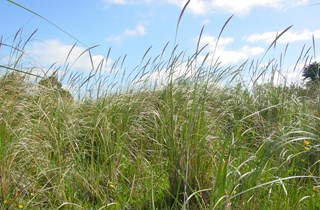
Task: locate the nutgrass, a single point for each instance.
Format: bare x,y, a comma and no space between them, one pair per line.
206,138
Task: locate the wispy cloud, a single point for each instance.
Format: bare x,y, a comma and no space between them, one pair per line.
281,78
115,1
195,6
225,55
285,76
53,51
181,70
206,21
222,53
123,2
287,37
139,30
244,6
203,7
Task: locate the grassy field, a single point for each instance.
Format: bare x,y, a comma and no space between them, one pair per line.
209,139
191,144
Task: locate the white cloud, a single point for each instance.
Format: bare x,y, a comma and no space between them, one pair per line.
54,51
201,7
287,37
225,55
211,40
180,70
244,6
206,22
195,6
185,70
300,3
115,1
139,30
123,2
235,56
288,77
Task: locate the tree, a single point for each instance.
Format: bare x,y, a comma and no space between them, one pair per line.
312,72
50,85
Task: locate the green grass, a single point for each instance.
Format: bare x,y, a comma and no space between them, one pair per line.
208,140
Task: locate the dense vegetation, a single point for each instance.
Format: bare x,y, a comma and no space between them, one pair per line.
191,144
209,139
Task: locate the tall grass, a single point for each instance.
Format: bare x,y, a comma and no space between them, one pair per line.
206,138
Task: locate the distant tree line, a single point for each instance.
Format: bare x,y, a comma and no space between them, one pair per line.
15,84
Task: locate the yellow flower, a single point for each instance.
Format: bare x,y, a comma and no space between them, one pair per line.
111,185
306,148
306,142
20,206
5,201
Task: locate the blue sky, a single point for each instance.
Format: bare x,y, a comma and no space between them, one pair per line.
130,27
